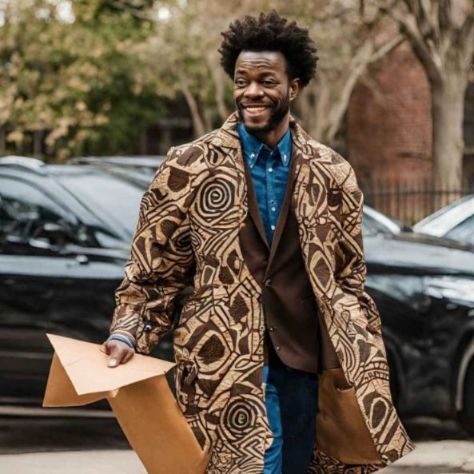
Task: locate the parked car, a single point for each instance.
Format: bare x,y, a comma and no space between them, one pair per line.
63,246
424,289
65,235
455,221
141,167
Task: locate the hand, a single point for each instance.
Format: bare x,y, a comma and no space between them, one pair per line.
119,352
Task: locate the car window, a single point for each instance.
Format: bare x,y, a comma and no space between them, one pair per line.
371,226
464,231
24,208
115,200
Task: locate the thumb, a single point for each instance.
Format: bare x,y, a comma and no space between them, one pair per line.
114,357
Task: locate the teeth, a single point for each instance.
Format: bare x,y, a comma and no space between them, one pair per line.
255,109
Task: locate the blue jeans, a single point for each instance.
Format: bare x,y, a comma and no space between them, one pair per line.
291,402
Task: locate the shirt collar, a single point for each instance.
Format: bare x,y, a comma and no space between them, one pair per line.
252,146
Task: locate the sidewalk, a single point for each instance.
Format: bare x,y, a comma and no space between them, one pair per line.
434,457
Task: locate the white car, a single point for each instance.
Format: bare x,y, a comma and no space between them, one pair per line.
455,221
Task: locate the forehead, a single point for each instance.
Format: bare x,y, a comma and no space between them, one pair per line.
260,61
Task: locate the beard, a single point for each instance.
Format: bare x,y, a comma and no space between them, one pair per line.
277,115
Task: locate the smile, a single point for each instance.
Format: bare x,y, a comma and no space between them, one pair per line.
255,109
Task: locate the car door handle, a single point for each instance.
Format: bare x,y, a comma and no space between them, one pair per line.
82,259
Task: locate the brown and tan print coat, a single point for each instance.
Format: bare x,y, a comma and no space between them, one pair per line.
188,233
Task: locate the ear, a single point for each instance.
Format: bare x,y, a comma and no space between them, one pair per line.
295,86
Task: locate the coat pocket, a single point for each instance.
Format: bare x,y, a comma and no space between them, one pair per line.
341,431
185,378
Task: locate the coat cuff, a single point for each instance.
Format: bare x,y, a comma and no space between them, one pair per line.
123,338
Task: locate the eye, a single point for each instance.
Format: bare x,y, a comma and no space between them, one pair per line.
240,83
268,82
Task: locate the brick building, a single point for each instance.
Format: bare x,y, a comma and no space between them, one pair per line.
389,132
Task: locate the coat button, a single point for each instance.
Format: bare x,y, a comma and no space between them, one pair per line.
147,327
277,348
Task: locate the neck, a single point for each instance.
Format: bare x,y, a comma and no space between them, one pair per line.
272,137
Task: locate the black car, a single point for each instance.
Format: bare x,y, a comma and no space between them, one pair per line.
64,244
424,289
141,167
65,235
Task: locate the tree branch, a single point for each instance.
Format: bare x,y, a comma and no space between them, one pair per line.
467,26
198,122
423,51
444,14
363,58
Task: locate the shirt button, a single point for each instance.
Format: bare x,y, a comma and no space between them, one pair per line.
268,282
270,170
277,348
272,227
273,209
271,328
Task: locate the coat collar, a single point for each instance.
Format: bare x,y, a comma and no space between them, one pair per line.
228,135
252,147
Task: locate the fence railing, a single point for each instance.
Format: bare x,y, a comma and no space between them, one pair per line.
410,200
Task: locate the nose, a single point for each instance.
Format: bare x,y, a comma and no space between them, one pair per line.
253,90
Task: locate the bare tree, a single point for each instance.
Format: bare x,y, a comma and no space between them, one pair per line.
348,39
324,103
441,33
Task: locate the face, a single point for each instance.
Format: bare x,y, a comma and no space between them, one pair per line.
263,91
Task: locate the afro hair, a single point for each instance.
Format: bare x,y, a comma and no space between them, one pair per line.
270,32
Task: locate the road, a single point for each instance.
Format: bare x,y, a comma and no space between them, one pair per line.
40,445
430,457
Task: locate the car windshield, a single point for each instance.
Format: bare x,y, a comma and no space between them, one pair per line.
114,199
375,222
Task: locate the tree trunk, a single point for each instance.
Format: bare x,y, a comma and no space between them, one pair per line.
447,110
37,143
3,141
199,126
219,79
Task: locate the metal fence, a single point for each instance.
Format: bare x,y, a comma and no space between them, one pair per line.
410,200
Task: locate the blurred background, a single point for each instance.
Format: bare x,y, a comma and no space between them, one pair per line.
92,95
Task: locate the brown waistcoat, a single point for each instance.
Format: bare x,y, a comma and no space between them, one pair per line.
292,319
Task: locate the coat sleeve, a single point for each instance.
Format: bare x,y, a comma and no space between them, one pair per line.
161,261
351,270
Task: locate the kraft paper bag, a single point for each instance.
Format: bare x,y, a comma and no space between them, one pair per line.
139,396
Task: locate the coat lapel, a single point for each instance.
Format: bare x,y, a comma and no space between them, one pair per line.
227,137
253,205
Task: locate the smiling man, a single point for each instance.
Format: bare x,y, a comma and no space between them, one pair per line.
281,366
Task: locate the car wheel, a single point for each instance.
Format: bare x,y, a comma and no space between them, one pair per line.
466,414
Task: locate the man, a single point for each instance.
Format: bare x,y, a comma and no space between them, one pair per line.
281,366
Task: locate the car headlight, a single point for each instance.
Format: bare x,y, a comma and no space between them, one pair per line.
450,287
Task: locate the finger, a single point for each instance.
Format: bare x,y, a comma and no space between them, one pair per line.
106,347
116,355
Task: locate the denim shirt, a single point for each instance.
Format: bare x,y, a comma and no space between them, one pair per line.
269,170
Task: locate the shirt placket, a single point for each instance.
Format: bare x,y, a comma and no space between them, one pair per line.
272,204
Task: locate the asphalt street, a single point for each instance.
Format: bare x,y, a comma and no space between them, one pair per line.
83,445
430,457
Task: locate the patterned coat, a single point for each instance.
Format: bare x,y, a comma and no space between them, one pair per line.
187,233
